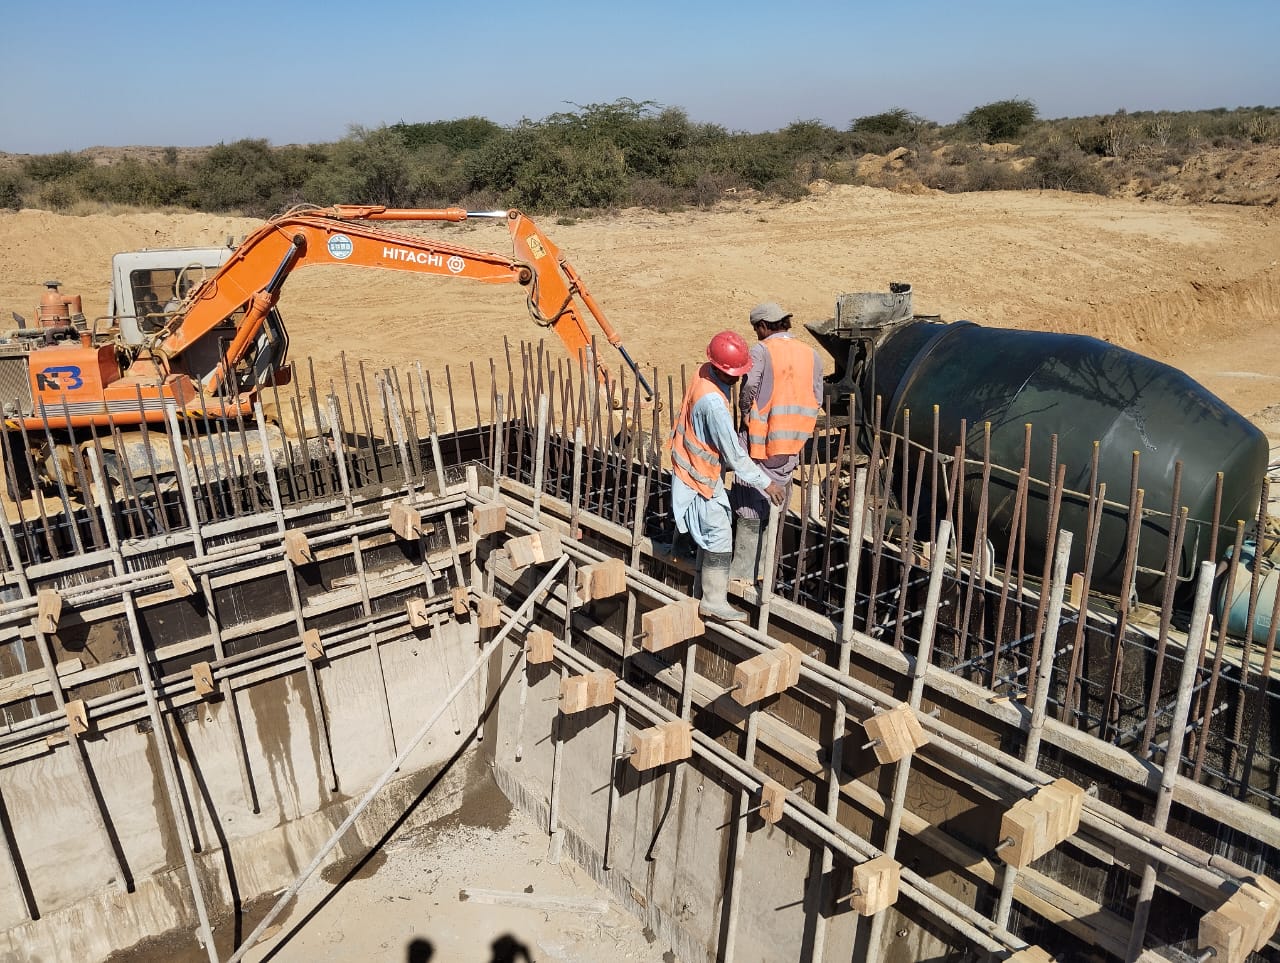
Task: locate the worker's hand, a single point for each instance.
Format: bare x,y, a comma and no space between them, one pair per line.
777,494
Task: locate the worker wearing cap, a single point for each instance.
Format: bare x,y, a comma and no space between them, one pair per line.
779,402
703,446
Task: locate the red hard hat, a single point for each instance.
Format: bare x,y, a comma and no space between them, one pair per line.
728,351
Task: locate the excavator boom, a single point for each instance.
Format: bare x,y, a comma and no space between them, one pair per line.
252,277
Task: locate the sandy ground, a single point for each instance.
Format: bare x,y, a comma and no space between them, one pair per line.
1195,286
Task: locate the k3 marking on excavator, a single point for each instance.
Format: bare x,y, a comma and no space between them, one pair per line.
197,332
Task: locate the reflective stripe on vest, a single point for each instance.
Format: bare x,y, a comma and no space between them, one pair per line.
692,461
781,423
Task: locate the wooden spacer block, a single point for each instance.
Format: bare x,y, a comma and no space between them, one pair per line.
488,612
297,547
202,676
406,521
772,796
1076,595
648,747
48,609
184,582
766,674
898,732
416,609
77,717
660,744
539,647
488,518
1027,824
532,549
1225,935
1065,800
1055,821
1260,907
1271,888
876,882
602,579
461,600
1031,954
579,692
312,645
1249,909
670,624
677,739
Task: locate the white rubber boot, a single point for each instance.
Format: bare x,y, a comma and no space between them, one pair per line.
746,551
715,589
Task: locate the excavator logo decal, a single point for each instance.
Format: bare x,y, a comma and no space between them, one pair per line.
456,264
340,247
50,378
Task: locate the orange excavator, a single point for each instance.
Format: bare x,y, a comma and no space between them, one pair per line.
224,340
206,354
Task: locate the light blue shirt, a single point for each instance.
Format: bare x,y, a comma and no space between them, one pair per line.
709,521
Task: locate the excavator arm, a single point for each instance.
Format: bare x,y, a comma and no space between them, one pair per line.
252,278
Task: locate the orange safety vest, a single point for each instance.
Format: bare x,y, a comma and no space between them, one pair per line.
692,461
781,423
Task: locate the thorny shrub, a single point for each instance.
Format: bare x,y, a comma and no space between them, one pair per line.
596,157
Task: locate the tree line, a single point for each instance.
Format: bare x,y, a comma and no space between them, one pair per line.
637,153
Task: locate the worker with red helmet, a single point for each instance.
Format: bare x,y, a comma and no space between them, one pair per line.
703,446
779,401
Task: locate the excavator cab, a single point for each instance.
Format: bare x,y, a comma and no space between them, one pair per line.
148,287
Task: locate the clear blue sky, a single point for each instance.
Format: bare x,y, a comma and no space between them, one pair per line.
77,74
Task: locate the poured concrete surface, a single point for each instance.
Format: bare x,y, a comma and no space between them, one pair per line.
403,903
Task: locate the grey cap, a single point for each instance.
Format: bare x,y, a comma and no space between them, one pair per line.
769,313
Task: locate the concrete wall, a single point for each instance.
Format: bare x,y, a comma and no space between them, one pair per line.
671,838
84,912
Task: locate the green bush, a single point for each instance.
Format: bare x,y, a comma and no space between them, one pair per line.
12,188
896,122
1066,168
57,195
242,175
1000,121
808,139
640,152
378,167
998,177
459,136
496,166
883,132
129,181
46,168
653,194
